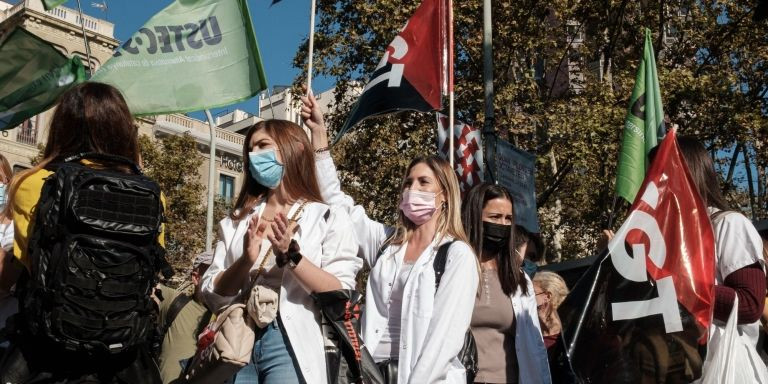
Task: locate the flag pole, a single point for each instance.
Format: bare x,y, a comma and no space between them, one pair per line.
85,38
211,183
311,46
450,80
489,134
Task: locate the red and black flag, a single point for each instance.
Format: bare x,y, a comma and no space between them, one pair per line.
412,73
641,311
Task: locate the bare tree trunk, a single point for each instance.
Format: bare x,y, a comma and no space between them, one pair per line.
732,167
557,238
749,182
762,209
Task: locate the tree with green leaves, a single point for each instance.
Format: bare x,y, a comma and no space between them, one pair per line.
174,162
563,75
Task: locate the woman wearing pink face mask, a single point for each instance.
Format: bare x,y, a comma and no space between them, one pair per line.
413,327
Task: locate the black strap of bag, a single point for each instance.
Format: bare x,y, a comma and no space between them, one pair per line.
178,303
468,353
439,263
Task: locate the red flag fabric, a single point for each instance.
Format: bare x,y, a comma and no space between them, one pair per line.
641,310
468,151
411,74
669,229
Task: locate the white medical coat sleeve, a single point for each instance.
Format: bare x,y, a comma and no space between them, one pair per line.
370,233
451,316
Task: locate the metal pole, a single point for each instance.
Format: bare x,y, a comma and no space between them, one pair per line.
450,80
85,38
211,183
311,46
488,132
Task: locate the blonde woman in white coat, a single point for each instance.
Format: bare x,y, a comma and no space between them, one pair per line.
316,253
408,324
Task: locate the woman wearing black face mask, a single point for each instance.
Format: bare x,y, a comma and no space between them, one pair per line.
505,322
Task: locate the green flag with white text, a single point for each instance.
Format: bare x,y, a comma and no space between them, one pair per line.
32,76
51,4
192,55
643,127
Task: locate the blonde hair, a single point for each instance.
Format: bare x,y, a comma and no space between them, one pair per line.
449,221
553,284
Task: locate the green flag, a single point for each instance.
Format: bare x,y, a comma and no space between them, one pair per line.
192,55
32,76
642,128
51,4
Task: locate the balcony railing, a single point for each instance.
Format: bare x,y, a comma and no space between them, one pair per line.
185,124
65,14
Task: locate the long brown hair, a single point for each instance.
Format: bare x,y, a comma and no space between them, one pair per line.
299,177
89,117
509,266
5,169
450,215
7,174
702,170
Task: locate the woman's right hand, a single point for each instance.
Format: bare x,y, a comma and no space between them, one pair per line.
253,237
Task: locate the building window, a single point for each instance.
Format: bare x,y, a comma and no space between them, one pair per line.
575,33
27,133
226,187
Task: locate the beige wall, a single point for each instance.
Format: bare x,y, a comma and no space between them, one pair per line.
229,145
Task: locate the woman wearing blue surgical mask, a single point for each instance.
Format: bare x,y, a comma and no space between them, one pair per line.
279,245
413,328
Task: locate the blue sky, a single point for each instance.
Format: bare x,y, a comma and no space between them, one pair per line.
279,30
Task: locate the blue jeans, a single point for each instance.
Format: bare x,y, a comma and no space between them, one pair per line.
271,360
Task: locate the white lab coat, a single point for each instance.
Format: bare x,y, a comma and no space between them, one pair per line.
532,358
737,245
329,244
432,324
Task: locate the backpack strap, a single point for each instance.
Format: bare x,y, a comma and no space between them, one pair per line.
203,322
178,303
105,157
439,264
382,248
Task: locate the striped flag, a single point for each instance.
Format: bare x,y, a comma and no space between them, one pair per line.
468,151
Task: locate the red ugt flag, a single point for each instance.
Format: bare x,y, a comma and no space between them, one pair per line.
654,287
467,149
411,74
669,229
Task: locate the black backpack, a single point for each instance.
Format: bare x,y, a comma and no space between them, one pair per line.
94,257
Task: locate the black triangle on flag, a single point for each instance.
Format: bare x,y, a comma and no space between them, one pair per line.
381,99
411,75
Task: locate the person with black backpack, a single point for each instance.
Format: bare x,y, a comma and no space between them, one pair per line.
88,249
182,318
